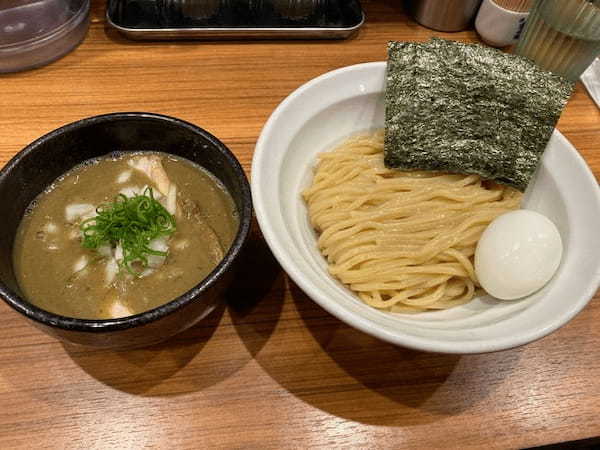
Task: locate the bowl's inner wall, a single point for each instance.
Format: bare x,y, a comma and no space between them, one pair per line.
51,156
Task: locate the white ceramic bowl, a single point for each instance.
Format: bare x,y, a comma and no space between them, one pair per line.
326,110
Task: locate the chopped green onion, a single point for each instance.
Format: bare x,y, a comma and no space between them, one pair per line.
132,222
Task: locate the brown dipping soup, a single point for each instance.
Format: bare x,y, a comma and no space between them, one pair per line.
56,273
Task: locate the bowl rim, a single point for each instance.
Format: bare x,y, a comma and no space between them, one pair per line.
53,320
398,338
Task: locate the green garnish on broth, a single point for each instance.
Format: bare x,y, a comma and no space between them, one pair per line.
132,222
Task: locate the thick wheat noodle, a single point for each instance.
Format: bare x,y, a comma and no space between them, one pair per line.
403,241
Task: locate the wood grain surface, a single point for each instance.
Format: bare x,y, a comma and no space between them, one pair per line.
271,369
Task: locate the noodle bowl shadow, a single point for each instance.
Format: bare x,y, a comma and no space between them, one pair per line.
40,163
330,108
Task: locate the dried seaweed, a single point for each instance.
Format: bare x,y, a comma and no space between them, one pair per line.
466,108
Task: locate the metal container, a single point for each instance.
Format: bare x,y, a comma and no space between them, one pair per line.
240,19
444,15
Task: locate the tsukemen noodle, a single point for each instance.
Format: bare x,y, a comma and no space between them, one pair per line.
403,241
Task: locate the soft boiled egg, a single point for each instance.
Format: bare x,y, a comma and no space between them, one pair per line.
517,254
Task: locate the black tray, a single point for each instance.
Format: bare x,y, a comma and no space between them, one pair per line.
208,19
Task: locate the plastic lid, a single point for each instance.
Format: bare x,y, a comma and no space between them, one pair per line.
36,32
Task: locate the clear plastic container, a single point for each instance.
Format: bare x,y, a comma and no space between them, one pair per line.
36,32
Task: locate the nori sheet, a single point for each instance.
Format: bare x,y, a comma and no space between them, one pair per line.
466,108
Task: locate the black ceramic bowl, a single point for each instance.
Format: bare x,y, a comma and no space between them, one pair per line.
41,162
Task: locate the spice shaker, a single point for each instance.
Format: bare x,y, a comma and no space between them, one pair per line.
500,22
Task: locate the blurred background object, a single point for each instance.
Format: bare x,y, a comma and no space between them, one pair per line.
515,5
239,19
500,22
591,80
562,36
199,8
297,8
190,9
36,32
444,15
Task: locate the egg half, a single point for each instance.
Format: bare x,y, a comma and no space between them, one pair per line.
517,254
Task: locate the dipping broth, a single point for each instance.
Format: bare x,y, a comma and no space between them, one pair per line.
57,273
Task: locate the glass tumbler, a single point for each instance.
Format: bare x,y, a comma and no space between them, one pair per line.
562,36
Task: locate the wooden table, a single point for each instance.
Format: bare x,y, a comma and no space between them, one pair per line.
271,369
